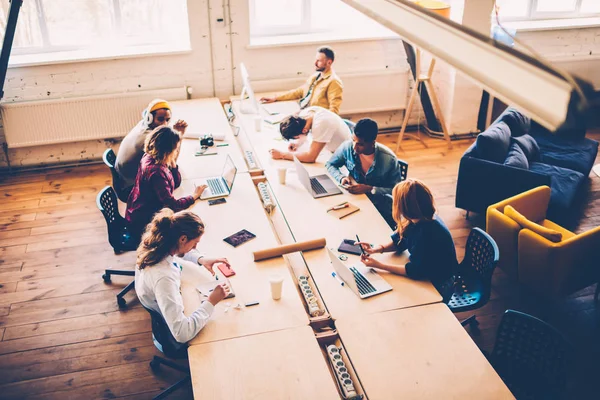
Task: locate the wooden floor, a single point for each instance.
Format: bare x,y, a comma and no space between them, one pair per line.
63,336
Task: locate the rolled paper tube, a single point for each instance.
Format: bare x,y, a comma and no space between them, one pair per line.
289,248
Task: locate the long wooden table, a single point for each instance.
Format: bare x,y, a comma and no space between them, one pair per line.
307,218
418,353
205,116
286,364
243,210
400,345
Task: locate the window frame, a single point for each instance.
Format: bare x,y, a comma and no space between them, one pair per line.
534,15
303,28
49,53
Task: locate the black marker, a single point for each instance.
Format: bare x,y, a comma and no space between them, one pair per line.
362,251
253,303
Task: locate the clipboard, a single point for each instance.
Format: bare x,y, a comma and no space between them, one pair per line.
344,212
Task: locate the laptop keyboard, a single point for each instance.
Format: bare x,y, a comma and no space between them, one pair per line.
317,187
364,286
215,185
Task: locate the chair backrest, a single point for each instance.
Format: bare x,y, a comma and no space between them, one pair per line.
107,203
162,334
403,169
481,258
109,159
531,356
350,124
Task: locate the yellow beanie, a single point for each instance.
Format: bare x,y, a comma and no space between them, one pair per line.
158,105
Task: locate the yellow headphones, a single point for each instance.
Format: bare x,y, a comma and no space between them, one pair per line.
154,105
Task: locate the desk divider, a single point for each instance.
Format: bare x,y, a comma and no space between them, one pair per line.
319,318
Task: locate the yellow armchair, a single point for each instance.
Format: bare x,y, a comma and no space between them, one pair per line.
548,268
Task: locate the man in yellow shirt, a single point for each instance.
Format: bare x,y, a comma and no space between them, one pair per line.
323,89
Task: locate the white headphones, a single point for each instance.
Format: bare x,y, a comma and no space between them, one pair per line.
147,116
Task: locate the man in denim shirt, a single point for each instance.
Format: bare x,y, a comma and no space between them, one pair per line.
373,169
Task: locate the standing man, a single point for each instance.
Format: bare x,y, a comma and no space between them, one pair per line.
323,89
373,169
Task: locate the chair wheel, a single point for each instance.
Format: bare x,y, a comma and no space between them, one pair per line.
155,366
106,278
121,302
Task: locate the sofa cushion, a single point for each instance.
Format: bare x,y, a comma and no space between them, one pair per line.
564,183
492,145
529,147
518,123
516,157
578,155
520,219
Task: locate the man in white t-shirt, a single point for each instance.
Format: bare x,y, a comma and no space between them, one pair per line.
327,129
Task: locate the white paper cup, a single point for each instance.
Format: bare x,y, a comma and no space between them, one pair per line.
258,123
282,172
276,282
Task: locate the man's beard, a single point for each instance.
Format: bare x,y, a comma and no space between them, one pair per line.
320,69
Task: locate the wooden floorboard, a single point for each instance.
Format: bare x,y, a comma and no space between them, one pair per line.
63,336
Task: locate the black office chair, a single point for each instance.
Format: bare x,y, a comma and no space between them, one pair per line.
531,357
389,199
118,236
473,282
122,192
166,343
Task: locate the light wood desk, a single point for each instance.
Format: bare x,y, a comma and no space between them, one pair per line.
277,365
205,116
308,219
418,353
243,210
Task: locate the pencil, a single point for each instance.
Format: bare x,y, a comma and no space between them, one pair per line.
206,154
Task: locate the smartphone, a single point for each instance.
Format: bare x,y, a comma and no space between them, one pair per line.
239,238
227,271
217,201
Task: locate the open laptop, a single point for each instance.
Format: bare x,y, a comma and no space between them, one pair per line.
219,186
318,186
361,279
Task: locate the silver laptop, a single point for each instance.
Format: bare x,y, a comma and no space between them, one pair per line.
361,279
219,186
318,186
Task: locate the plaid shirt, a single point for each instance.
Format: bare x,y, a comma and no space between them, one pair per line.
153,190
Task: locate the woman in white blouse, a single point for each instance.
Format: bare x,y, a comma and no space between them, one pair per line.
169,239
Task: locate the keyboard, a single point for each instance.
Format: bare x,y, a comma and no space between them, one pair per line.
364,286
216,186
317,187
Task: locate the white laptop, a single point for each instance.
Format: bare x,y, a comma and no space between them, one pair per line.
363,281
219,186
318,186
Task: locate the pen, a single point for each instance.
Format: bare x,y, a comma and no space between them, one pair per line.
222,145
339,206
206,154
361,248
338,278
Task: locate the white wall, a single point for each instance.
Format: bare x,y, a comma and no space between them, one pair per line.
217,47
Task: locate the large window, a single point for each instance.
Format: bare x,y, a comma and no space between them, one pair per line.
106,27
515,10
270,18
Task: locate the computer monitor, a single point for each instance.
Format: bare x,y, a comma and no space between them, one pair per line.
248,104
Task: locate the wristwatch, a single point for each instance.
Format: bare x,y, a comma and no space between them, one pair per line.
373,190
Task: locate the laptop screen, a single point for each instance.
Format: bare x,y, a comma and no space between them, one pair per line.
229,171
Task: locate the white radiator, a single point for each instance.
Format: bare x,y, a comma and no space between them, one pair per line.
364,92
75,119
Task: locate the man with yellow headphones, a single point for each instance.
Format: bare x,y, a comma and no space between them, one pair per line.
131,150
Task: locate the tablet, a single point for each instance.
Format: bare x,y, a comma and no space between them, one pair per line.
239,238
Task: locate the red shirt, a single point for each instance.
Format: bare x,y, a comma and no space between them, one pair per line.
152,191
